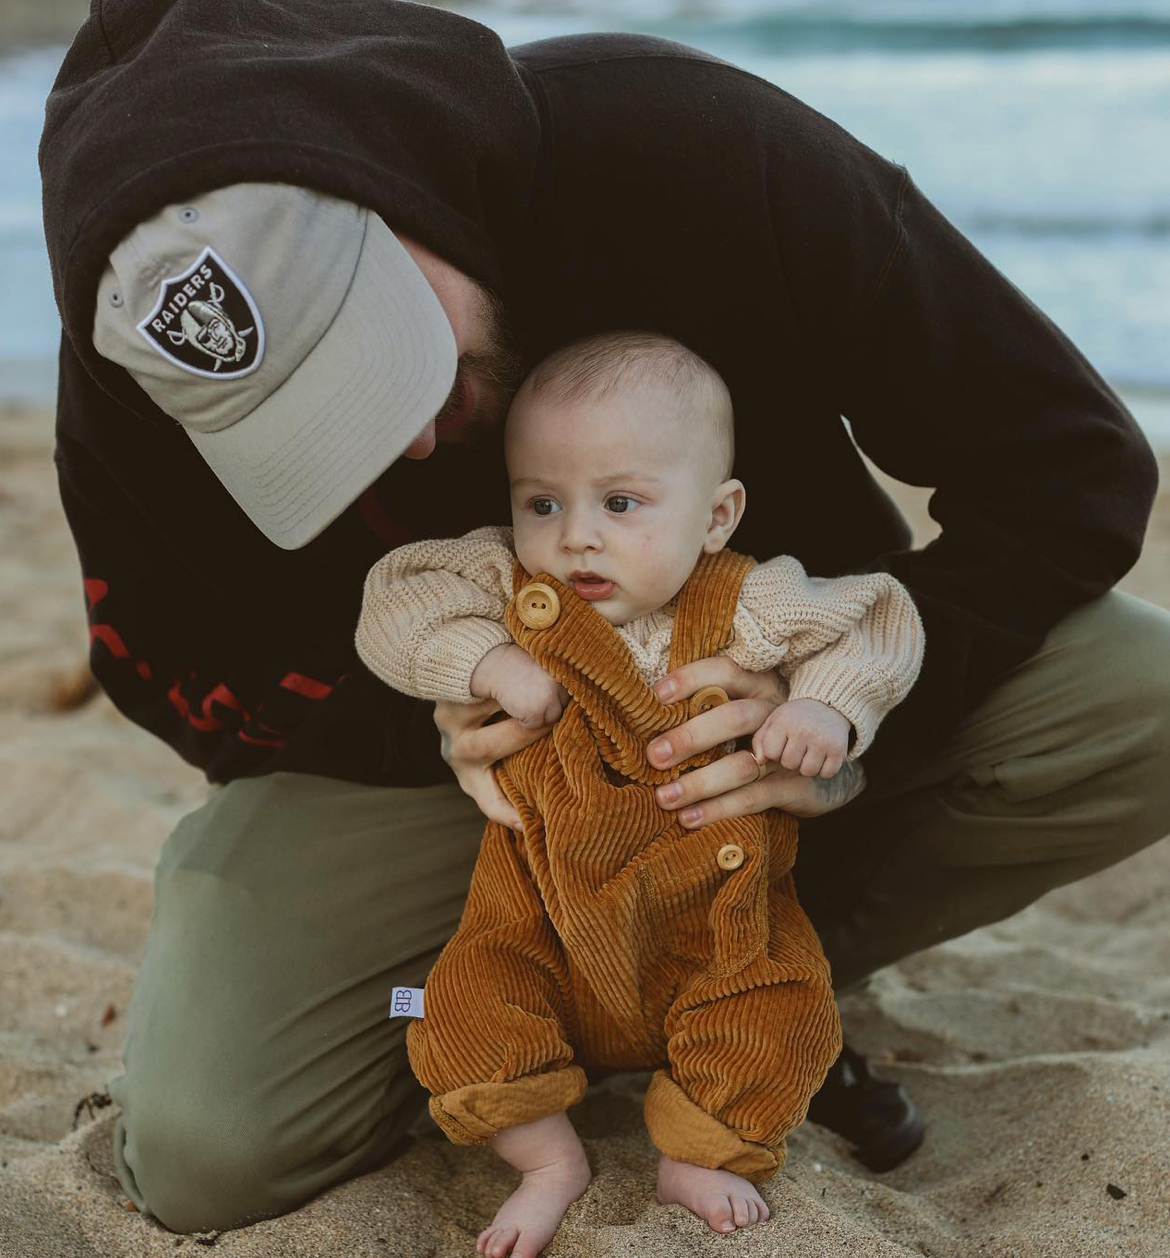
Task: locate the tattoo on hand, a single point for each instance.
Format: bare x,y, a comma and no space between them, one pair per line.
846,783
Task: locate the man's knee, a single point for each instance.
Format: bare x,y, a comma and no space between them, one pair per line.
203,1160
1123,643
200,1164
1079,735
260,1064
1145,650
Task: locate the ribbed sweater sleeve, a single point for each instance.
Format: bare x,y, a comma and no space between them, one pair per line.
853,642
432,610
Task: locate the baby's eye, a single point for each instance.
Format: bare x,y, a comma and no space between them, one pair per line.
619,504
544,506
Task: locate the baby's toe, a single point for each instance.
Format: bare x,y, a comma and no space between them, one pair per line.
721,1216
528,1246
740,1212
503,1241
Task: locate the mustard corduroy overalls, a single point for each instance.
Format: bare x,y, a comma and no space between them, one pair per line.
608,937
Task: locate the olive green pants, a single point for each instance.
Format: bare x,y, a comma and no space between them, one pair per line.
261,1065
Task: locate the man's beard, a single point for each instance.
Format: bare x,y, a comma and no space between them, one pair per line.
462,483
501,363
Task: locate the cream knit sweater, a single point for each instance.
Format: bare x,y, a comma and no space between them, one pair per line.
432,610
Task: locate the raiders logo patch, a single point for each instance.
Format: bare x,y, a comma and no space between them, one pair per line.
206,322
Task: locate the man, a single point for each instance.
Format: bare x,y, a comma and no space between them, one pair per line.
397,214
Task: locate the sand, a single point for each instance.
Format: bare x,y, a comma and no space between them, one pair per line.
1038,1048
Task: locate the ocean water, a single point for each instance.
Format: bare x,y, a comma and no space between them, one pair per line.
1041,128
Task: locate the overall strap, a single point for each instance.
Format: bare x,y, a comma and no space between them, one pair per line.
573,642
706,606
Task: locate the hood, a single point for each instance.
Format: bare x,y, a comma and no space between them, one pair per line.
413,111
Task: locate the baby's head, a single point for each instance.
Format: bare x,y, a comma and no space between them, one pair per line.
619,450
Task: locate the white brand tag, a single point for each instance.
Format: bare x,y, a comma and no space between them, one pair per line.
406,1002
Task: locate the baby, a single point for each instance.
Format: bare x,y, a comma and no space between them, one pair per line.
599,932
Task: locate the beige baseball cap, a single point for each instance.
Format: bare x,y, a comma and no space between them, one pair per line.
291,335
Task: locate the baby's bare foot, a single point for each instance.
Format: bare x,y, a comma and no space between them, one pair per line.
527,1221
724,1199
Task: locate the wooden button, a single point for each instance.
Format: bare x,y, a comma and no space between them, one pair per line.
706,699
730,856
537,605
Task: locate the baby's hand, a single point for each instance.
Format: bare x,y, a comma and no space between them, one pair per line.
804,734
510,676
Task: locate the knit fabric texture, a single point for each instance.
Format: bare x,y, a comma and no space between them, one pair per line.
608,937
433,609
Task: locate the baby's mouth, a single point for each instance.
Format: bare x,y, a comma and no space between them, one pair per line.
589,585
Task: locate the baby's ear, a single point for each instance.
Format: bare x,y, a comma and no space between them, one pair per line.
728,500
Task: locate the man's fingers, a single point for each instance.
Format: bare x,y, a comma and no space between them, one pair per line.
722,671
463,715
732,787
777,789
719,670
740,802
490,743
713,779
482,786
754,696
707,730
471,748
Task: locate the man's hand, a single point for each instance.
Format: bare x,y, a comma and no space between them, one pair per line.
732,786
471,746
805,735
510,676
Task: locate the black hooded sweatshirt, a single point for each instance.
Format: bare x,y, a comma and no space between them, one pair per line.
593,182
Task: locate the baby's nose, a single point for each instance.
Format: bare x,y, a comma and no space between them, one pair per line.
579,534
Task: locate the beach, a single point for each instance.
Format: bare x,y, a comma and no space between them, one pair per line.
1038,1048
29,22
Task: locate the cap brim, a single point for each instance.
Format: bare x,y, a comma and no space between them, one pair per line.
370,385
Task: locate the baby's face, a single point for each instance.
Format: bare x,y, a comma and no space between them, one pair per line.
613,496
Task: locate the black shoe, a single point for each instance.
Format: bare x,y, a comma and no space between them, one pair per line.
875,1115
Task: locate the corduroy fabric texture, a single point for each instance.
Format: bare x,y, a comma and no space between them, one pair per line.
608,937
